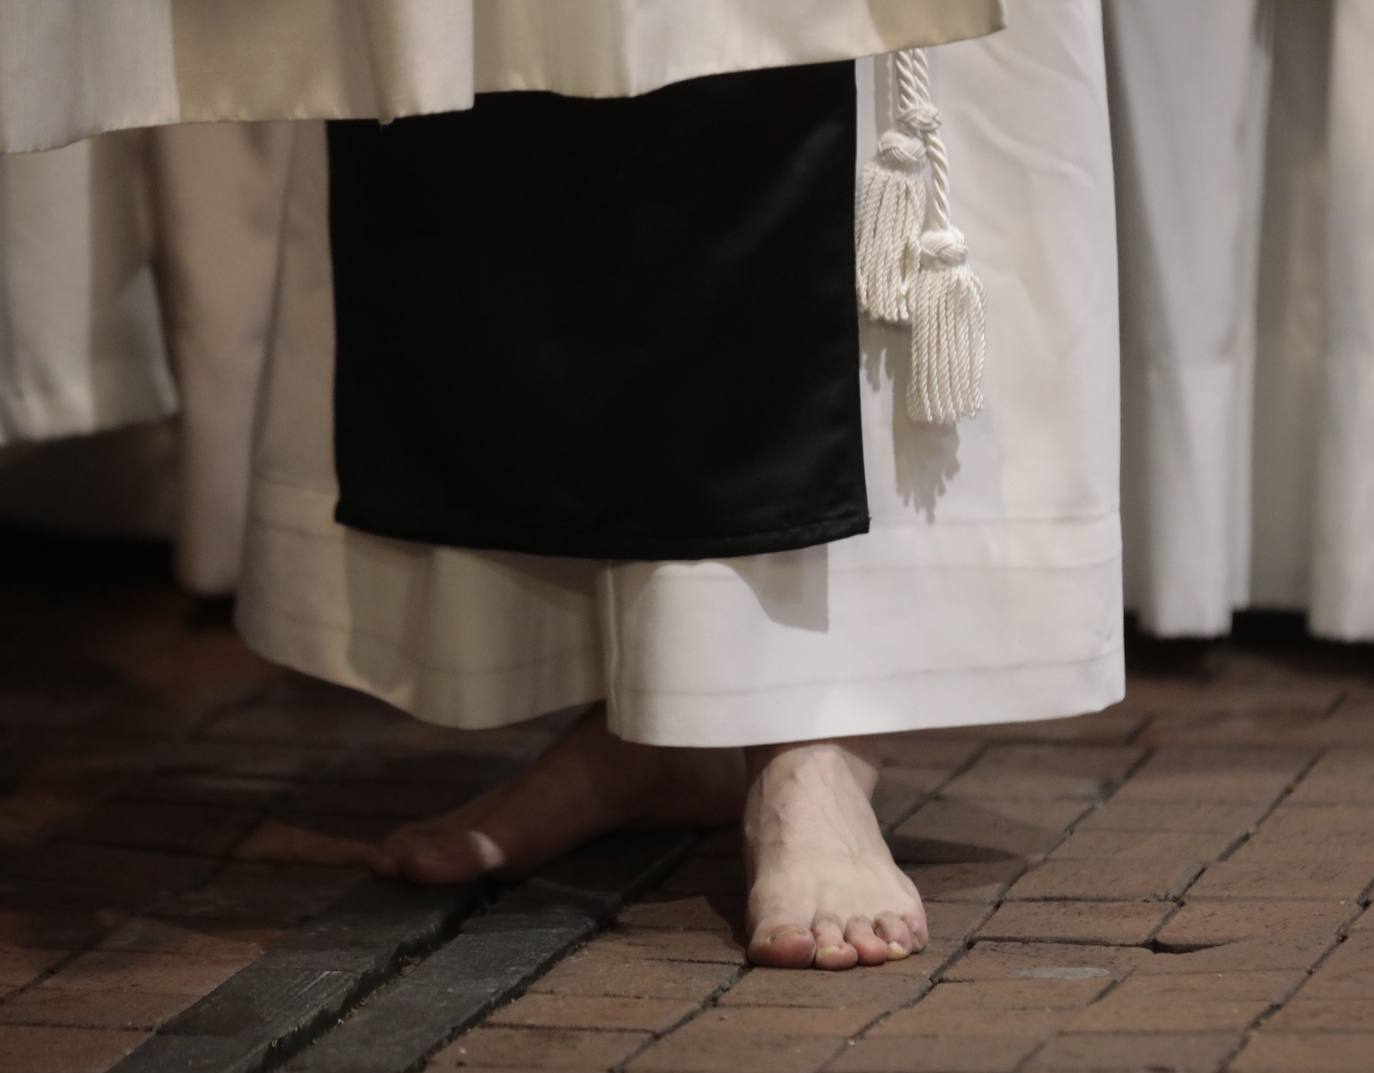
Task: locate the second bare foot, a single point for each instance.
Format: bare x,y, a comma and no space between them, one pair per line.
586,785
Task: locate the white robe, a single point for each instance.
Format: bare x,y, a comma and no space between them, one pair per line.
137,272
137,269
1246,165
1342,593
81,342
988,589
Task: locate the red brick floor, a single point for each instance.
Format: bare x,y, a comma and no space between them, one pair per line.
1178,884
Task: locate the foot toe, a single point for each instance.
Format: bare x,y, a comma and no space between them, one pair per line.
832,951
426,865
859,934
782,946
920,933
455,855
836,958
895,934
385,859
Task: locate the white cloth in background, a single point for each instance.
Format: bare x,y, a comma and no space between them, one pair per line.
1342,585
1248,405
221,199
988,589
155,62
137,276
81,345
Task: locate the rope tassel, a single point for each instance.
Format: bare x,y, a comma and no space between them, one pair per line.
949,334
892,207
913,263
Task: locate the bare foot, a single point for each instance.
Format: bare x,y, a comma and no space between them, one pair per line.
588,784
824,890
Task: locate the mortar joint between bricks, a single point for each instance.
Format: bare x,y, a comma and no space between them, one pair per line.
287,1046
935,791
1245,836
217,712
1269,1011
929,985
645,880
1026,1062
1234,1052
1152,940
1342,934
1366,897
1133,737
1337,941
1336,703
710,1002
57,966
1109,790
369,985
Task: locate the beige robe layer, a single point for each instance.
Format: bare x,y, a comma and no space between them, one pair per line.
155,62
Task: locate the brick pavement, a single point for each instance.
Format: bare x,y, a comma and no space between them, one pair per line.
1179,884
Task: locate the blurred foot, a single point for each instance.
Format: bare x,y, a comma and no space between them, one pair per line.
586,785
824,890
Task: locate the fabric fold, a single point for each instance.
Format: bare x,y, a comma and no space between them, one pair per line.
157,62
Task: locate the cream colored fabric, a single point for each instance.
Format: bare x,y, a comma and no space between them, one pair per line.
1342,592
137,278
1247,403
81,344
221,199
153,62
988,590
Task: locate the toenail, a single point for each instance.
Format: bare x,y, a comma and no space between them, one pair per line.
829,950
896,951
784,932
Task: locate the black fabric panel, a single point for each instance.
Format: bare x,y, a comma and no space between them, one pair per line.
609,328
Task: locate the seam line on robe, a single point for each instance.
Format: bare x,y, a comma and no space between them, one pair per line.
809,684
783,687
906,567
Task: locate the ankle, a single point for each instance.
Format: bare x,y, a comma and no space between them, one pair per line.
859,756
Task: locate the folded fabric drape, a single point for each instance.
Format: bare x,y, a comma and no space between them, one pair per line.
137,280
154,62
1245,162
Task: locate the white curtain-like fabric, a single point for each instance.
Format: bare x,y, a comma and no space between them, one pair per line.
221,200
1342,587
81,344
154,62
137,275
988,589
1245,162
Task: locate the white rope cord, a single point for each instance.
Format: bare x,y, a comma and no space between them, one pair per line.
949,309
912,262
891,206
